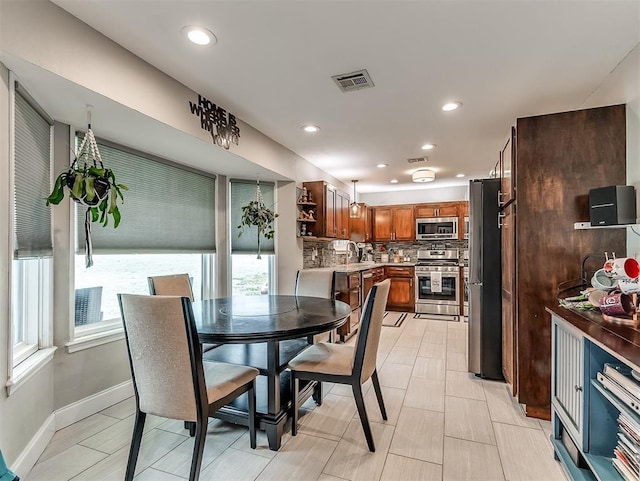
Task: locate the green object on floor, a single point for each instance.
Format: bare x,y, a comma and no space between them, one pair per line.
5,473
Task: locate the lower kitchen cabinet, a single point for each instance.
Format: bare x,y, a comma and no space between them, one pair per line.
348,290
593,416
369,278
402,289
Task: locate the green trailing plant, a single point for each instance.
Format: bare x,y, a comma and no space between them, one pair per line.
92,185
257,214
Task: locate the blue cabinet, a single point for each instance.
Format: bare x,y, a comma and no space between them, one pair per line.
584,411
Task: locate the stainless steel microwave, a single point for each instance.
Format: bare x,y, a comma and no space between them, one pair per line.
436,228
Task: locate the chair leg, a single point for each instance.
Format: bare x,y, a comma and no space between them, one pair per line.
357,394
317,393
198,449
252,414
376,386
294,403
191,427
138,429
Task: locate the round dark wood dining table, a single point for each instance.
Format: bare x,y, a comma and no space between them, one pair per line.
273,330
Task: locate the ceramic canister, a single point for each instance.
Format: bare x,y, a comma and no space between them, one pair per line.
616,304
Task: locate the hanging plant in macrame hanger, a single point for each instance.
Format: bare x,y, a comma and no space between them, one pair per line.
92,185
257,214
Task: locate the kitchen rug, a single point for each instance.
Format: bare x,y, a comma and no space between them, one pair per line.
393,319
435,317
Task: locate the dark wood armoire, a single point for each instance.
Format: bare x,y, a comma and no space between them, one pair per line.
557,159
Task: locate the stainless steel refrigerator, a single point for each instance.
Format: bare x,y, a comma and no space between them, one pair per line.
485,277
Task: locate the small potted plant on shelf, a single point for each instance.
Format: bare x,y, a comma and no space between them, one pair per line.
257,214
92,185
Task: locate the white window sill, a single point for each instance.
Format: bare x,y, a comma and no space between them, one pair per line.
28,368
87,340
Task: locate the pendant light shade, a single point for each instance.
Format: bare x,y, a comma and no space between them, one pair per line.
423,175
355,209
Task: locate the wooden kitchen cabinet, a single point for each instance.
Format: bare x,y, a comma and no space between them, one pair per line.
369,278
441,209
332,213
342,215
360,227
592,146
394,223
402,289
348,290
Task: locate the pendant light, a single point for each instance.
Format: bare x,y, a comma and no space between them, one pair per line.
355,209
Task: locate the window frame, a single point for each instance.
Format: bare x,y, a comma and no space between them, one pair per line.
25,359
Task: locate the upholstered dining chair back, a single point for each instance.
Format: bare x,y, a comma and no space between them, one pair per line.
370,328
160,338
171,285
315,283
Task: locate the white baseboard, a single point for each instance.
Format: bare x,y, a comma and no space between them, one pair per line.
35,448
90,405
66,416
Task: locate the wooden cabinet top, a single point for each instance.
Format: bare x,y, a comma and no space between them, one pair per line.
622,341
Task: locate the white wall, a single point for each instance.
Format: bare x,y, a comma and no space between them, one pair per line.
442,194
623,86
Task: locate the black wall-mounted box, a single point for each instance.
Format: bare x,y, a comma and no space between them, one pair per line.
612,205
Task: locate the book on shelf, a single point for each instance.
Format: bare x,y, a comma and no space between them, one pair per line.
624,471
621,393
624,456
622,375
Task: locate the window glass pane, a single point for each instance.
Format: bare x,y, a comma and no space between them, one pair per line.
29,304
127,273
250,275
243,192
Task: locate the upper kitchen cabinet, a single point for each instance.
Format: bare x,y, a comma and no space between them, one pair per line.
394,223
361,226
442,209
507,168
342,215
332,216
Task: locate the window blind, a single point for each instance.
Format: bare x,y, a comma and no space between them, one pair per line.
167,209
243,192
32,180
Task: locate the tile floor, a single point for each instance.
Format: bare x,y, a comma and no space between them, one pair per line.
444,424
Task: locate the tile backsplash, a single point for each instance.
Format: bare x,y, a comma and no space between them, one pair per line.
318,253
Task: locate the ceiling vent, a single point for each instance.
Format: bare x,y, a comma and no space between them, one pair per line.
415,160
353,81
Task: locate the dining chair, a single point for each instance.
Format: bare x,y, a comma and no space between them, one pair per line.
171,285
174,285
312,283
346,364
170,379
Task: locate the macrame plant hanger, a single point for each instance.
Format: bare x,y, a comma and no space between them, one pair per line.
260,203
89,153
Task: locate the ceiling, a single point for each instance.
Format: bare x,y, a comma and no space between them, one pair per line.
273,62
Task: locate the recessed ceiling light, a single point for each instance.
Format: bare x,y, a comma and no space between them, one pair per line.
428,146
312,129
199,35
394,181
451,106
381,166
460,175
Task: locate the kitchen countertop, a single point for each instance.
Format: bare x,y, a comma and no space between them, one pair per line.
362,266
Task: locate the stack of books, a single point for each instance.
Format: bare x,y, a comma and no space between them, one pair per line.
620,380
627,452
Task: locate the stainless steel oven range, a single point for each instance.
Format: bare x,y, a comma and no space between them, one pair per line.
438,283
